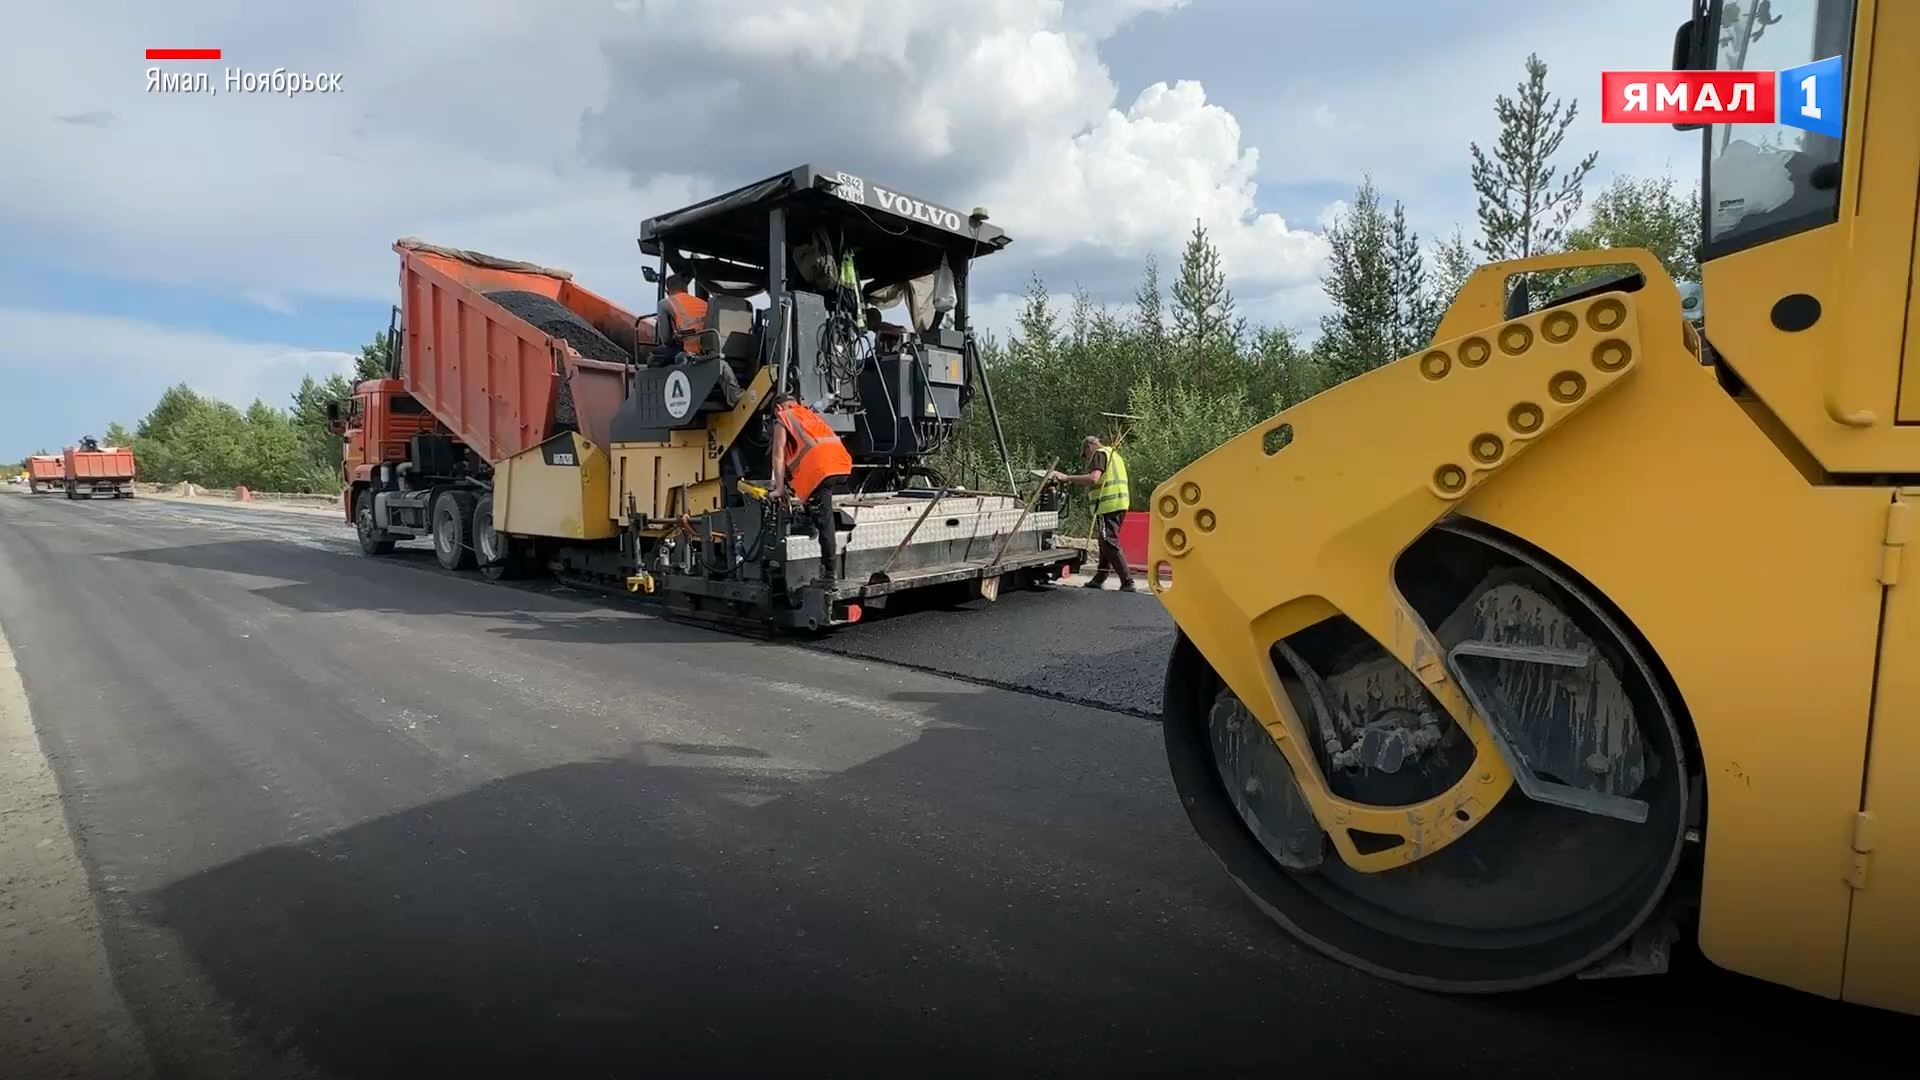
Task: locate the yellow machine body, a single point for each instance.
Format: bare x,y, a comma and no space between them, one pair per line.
556,489
1746,518
660,481
569,488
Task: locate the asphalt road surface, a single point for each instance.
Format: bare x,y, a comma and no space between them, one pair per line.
342,816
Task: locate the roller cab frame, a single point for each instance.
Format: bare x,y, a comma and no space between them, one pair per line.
530,423
1583,628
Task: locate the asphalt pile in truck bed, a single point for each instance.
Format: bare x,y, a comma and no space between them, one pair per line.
555,319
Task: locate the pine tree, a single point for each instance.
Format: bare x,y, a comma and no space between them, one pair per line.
1036,337
1080,320
374,361
1203,309
1205,326
1412,326
1150,315
1453,263
1523,211
1358,335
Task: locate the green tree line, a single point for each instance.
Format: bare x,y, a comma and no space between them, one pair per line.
1180,360
189,436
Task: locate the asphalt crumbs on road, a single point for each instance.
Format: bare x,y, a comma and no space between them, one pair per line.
354,817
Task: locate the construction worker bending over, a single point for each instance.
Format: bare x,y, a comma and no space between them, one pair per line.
682,315
808,457
1106,474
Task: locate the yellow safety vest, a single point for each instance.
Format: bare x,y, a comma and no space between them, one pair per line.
1113,495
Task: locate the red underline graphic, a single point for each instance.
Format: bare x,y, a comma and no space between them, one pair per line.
183,54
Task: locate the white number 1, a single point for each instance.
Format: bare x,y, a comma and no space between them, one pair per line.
1809,110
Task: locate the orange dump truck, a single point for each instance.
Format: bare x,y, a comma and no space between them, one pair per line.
44,473
91,469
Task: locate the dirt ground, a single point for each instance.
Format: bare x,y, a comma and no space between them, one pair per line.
331,510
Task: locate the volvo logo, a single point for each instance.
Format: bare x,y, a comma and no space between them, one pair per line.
938,216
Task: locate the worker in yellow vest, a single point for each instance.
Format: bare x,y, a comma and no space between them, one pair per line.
1106,474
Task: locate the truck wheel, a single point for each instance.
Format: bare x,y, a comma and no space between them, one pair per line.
453,530
495,551
372,541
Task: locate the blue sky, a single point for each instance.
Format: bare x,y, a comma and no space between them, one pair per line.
238,242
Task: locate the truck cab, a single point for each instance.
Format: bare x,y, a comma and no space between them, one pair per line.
378,425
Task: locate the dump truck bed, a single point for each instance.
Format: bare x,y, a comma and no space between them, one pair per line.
45,468
498,383
112,463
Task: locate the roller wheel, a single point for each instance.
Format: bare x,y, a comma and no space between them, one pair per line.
453,530
372,541
494,551
1537,890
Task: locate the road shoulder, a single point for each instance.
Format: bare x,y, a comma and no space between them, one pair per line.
60,1014
276,506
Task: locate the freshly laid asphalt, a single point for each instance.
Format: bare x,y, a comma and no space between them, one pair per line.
1107,649
355,817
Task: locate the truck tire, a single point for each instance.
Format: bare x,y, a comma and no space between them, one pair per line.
452,522
372,540
497,554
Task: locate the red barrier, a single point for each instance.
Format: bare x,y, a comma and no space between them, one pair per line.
1133,538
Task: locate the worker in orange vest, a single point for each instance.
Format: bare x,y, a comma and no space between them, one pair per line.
684,314
808,457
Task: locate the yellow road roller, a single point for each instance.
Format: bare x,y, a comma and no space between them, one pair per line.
1584,628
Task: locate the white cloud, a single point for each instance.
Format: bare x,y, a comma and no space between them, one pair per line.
270,301
1002,103
68,373
1138,181
548,130
276,199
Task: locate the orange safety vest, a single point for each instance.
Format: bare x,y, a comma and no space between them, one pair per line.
817,454
689,314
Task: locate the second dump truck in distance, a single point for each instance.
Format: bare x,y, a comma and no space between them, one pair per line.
45,474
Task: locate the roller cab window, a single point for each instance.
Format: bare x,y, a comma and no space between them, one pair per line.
1766,181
